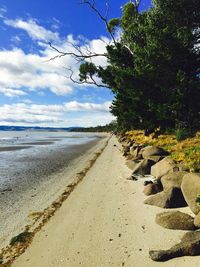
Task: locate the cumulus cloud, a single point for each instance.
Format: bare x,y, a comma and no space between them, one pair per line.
30,114
35,31
76,106
22,72
34,71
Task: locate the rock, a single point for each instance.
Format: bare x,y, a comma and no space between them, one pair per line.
158,182
197,220
163,167
122,139
143,167
147,182
7,190
135,145
131,164
126,151
189,246
21,238
156,158
150,151
191,190
135,152
175,220
151,189
183,168
173,179
171,198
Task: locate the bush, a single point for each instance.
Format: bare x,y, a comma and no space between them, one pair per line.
182,134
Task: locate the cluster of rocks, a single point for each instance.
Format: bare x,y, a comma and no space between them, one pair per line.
173,187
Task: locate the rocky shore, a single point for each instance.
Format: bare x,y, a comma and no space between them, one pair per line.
118,215
172,185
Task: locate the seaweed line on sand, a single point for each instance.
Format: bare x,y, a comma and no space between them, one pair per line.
20,243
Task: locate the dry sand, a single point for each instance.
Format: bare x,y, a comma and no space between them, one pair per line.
104,223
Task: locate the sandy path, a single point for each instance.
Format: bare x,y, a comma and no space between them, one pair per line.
103,223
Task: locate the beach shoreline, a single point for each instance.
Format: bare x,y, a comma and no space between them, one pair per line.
34,193
104,222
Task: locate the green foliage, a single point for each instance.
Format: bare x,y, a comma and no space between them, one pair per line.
113,24
198,199
111,127
87,70
182,134
153,70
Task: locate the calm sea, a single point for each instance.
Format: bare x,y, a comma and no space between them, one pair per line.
19,149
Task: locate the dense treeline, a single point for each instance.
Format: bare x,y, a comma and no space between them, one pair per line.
111,127
153,70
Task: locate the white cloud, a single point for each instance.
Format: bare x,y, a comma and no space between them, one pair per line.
3,10
91,120
57,115
16,39
19,70
11,92
22,72
34,71
76,106
35,31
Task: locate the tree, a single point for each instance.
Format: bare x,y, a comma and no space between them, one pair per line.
153,69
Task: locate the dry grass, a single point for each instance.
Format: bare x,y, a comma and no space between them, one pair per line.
186,151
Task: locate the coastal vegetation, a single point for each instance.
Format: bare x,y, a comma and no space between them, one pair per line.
153,68
186,151
153,71
110,127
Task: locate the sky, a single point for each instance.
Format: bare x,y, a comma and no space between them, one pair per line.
35,90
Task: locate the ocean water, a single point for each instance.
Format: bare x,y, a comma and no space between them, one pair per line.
19,150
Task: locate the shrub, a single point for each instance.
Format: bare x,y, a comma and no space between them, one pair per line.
182,134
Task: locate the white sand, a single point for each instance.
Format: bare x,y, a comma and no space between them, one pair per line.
103,223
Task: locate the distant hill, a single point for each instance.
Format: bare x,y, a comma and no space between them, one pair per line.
36,128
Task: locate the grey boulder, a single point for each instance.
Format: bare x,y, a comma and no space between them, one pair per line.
189,246
175,220
191,190
150,151
151,189
143,167
197,220
163,167
171,198
173,179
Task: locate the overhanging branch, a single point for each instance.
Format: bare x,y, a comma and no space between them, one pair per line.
86,81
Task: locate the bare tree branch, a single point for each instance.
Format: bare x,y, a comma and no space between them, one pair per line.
79,56
104,19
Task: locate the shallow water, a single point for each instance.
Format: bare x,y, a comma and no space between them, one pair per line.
21,150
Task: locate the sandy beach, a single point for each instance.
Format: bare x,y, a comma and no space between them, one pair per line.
104,223
37,180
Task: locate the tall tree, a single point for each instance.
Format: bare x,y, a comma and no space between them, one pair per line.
153,69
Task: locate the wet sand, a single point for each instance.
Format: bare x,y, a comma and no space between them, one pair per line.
39,143
13,148
38,181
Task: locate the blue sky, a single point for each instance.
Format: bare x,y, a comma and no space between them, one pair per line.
35,91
